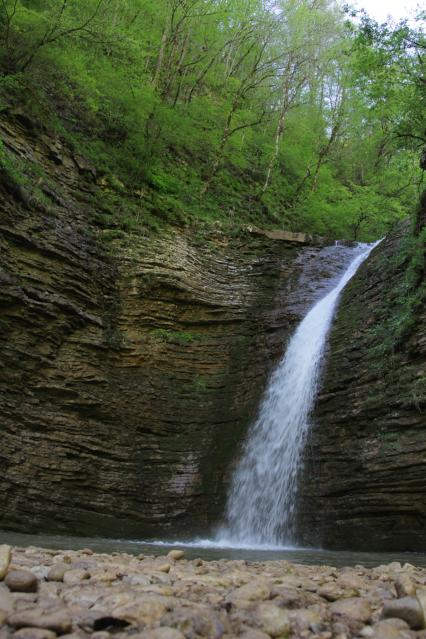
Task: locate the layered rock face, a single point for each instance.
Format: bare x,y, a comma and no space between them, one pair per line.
364,480
128,377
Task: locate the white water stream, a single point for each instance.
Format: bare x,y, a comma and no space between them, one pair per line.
263,497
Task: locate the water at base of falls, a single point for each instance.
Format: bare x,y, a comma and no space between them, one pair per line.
262,501
209,550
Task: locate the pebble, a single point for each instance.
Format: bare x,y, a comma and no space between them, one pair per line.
145,611
5,557
6,600
57,572
330,592
404,586
421,598
406,608
355,607
273,620
163,633
350,581
176,554
21,581
305,618
387,629
72,577
252,591
34,633
58,621
252,633
99,596
164,568
134,579
194,622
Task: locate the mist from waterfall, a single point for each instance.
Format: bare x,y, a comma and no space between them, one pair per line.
262,502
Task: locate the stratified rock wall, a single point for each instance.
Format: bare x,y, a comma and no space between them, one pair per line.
129,373
128,377
364,481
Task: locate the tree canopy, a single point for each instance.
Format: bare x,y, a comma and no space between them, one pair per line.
297,114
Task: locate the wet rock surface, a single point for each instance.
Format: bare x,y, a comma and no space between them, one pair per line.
364,478
129,596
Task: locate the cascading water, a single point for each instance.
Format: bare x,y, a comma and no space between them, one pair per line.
262,501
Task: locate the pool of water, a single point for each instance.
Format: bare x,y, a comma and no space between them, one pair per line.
209,550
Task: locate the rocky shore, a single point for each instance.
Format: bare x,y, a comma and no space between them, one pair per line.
79,594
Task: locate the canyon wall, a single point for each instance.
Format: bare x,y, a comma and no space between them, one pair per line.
364,480
130,370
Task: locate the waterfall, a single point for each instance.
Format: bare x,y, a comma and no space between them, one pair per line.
262,501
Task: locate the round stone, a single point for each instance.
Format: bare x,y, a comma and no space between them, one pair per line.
176,554
404,586
58,621
164,568
21,581
273,620
57,572
408,609
391,629
354,607
75,576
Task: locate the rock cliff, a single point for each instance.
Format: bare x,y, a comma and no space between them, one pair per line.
364,480
128,372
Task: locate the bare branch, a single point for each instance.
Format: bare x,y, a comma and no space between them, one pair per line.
50,37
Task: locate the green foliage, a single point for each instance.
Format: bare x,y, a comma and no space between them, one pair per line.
16,169
404,298
179,337
229,111
200,384
6,161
